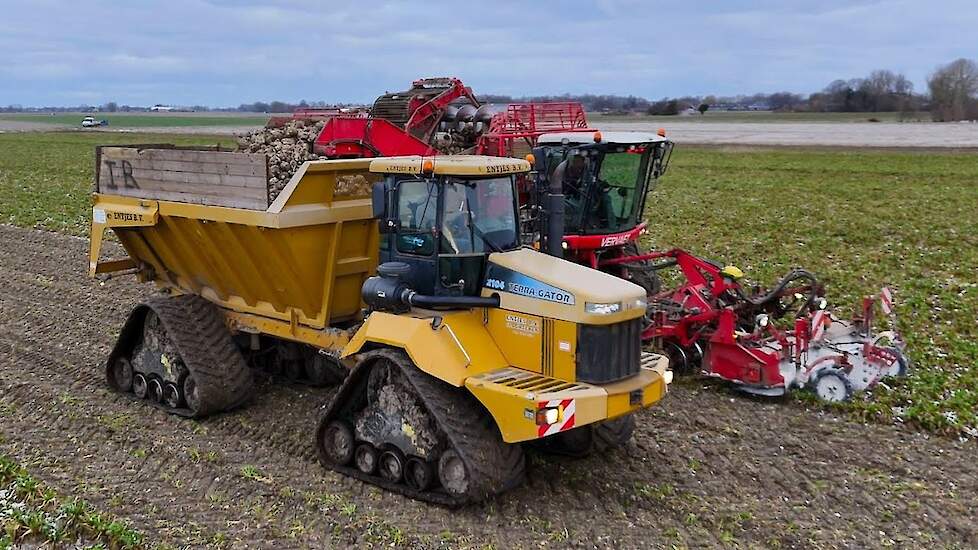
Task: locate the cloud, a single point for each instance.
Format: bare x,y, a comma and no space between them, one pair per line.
224,52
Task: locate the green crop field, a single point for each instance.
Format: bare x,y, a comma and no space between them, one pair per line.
859,219
140,120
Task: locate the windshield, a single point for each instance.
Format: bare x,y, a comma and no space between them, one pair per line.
605,190
479,216
620,183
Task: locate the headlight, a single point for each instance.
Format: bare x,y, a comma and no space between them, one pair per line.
602,309
549,415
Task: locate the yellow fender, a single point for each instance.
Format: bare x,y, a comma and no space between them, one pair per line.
451,347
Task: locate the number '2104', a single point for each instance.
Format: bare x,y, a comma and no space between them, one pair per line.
495,284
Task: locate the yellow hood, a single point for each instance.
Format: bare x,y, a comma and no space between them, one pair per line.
529,281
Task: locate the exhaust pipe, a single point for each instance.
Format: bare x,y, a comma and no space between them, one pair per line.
553,232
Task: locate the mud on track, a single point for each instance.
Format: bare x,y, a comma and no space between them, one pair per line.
705,468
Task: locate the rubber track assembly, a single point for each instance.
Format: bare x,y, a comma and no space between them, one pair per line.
493,466
196,328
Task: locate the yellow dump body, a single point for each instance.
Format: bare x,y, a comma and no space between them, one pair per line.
302,260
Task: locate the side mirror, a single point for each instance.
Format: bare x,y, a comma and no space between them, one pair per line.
379,198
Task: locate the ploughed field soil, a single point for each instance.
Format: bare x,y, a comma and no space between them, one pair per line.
706,468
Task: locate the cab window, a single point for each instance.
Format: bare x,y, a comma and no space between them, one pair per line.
479,216
417,212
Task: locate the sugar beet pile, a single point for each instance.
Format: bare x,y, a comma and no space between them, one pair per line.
287,147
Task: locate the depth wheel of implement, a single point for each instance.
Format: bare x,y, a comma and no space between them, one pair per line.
419,474
338,443
452,473
391,465
171,395
679,360
832,385
140,386
156,390
122,374
366,458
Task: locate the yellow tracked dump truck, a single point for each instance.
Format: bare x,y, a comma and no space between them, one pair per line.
402,279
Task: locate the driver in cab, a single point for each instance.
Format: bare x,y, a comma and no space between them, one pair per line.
570,173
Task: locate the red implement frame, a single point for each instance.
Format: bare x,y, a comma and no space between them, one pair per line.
529,121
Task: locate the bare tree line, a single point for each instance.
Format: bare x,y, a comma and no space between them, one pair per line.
952,94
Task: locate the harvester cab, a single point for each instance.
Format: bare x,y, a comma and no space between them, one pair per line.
605,178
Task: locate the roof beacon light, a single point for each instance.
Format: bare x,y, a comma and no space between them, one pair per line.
427,166
597,137
531,159
662,132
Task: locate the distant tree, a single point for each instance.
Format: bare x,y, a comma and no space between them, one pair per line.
110,107
664,106
781,101
953,89
703,108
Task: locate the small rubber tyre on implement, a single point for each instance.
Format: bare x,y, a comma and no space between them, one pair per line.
831,385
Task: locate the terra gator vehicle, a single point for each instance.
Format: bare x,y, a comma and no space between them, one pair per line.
461,345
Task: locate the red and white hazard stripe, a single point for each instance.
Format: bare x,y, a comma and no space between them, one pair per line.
886,300
819,321
566,421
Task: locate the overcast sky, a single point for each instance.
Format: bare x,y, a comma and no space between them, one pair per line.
226,52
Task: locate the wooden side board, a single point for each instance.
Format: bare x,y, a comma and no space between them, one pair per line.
216,178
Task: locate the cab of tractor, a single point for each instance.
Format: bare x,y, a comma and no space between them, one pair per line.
605,178
442,218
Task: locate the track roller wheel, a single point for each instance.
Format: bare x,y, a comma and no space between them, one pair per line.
366,458
140,386
156,390
337,443
419,474
391,465
452,473
122,374
171,395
